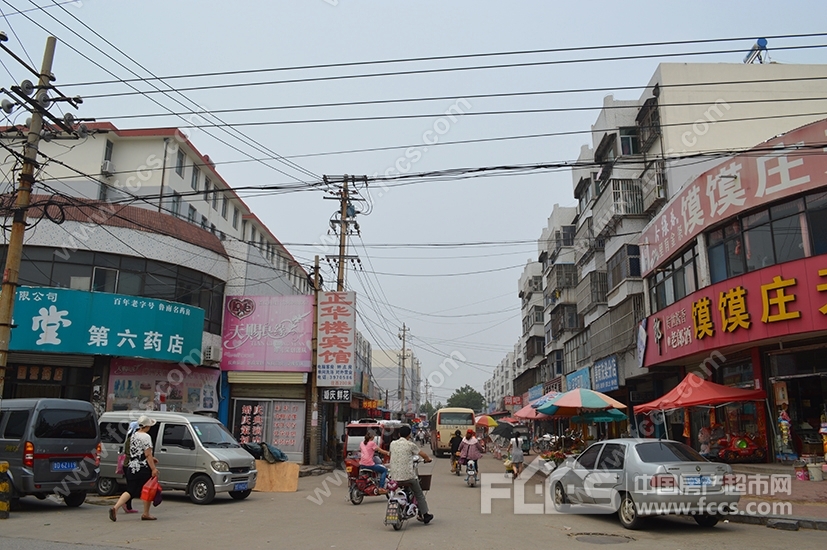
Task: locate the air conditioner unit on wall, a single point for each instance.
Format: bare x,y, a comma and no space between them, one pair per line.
108,168
212,354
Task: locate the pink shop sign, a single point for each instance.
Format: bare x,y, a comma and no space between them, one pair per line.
267,333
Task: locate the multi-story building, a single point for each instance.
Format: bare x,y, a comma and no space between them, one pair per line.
135,240
532,340
650,151
557,256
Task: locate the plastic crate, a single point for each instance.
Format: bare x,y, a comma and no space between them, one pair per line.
425,482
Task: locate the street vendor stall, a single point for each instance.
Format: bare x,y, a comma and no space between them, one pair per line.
730,435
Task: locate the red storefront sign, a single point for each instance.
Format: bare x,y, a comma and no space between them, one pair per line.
738,184
776,301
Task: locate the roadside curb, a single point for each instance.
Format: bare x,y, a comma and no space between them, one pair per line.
783,523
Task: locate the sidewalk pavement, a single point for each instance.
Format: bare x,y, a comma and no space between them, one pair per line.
808,500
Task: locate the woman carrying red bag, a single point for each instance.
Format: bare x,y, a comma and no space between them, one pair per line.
138,469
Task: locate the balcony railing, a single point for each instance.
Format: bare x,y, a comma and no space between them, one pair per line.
654,186
592,291
622,197
615,331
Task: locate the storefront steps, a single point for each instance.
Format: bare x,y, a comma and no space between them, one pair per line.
803,505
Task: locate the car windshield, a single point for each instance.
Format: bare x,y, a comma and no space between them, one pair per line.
667,451
213,434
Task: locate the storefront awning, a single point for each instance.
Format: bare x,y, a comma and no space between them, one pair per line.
694,391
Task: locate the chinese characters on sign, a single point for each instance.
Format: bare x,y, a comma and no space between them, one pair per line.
250,417
268,333
775,301
746,181
288,426
60,320
336,395
337,335
579,379
604,373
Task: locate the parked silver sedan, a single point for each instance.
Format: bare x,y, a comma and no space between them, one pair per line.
644,477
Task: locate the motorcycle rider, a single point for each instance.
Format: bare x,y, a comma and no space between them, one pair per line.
455,442
367,449
403,450
470,448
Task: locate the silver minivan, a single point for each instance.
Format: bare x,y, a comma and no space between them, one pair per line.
52,447
195,454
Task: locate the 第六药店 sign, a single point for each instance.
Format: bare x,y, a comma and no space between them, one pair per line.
777,301
60,320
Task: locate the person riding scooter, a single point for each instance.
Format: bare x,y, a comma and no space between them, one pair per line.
402,470
455,442
470,448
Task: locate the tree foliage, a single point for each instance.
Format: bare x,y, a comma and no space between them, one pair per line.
427,409
468,397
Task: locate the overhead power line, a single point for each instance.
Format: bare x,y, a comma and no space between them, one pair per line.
453,57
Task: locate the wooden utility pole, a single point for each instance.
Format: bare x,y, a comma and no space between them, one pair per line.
21,205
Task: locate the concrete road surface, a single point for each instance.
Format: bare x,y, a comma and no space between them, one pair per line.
319,516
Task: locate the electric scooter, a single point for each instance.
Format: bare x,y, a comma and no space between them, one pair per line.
402,504
471,473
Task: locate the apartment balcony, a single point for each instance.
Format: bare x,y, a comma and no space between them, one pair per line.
562,276
654,187
620,198
616,331
586,243
592,291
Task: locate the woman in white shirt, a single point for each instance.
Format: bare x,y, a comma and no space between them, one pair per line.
139,467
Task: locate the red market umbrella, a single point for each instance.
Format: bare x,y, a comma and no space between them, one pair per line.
530,413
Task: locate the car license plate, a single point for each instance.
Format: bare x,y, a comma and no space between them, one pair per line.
64,466
240,487
697,481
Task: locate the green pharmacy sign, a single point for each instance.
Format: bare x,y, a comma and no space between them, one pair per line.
59,320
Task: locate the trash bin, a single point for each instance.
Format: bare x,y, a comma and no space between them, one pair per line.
801,473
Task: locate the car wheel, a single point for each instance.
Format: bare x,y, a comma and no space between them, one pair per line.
74,499
706,520
560,498
240,495
106,486
202,490
627,513
356,496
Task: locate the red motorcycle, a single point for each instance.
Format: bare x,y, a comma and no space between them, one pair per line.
362,482
741,448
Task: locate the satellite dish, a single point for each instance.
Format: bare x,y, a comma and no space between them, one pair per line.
7,106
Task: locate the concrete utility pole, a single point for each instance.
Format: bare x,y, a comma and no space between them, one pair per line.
340,279
313,459
403,337
426,390
21,205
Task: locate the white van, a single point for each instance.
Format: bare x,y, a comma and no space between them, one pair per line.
195,454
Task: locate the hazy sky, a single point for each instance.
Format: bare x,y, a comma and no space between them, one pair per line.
475,316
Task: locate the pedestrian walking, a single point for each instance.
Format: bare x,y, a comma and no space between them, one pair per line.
139,468
516,448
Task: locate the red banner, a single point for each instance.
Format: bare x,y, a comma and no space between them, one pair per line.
738,184
776,301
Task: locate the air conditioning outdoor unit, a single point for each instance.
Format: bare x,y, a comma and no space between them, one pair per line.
212,354
108,168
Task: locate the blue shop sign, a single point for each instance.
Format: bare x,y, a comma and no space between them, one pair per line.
605,374
535,392
60,320
579,379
